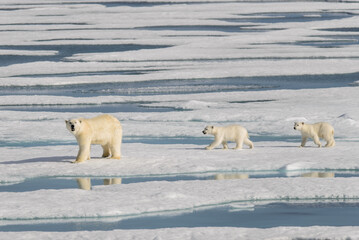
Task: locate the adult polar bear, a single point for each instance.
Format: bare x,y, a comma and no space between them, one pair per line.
104,130
315,131
222,135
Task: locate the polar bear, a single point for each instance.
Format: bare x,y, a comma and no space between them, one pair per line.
222,135
315,131
104,130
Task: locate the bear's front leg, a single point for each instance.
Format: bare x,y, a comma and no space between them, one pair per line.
225,145
209,147
84,153
304,140
214,144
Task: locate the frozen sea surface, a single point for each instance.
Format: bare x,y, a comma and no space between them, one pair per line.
166,69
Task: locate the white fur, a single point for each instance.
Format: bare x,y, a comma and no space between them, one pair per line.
104,130
222,135
315,131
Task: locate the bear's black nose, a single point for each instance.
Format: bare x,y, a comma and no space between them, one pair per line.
294,128
72,128
203,132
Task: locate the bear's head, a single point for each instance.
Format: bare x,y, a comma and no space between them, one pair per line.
74,125
298,126
208,130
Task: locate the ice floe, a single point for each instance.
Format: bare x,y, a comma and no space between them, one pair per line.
263,65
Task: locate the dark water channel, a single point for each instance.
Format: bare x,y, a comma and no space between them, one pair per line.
259,216
186,86
87,183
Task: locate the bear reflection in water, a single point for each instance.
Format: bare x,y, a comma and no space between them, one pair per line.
231,176
319,174
85,183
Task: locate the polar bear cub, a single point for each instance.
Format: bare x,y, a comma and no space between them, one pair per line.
104,130
315,131
222,135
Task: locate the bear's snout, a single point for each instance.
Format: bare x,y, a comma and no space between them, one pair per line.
295,128
72,127
204,132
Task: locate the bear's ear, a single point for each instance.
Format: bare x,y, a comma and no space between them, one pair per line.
212,127
66,121
302,123
80,121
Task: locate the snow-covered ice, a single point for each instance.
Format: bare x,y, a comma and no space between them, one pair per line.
175,67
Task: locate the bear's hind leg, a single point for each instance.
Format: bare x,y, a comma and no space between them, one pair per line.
239,143
317,141
330,143
116,152
106,151
249,143
115,146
